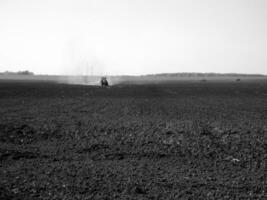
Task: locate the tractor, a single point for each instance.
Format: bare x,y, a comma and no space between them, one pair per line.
104,82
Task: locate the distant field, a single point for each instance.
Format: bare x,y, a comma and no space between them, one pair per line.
130,80
143,138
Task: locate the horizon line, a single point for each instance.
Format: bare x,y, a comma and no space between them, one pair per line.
148,74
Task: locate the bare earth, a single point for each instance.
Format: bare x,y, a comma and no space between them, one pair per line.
173,140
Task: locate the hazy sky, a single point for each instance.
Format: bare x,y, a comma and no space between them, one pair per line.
133,36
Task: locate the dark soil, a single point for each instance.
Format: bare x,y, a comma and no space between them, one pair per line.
177,140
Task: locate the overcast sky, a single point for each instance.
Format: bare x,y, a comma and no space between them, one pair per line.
133,36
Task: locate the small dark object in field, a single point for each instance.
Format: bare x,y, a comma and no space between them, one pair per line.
104,82
238,80
203,80
170,132
139,190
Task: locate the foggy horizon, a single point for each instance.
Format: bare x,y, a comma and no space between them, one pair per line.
100,37
149,74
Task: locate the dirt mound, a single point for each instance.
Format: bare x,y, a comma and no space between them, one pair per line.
26,134
17,134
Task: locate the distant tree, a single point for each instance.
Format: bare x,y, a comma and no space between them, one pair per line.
26,72
203,75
